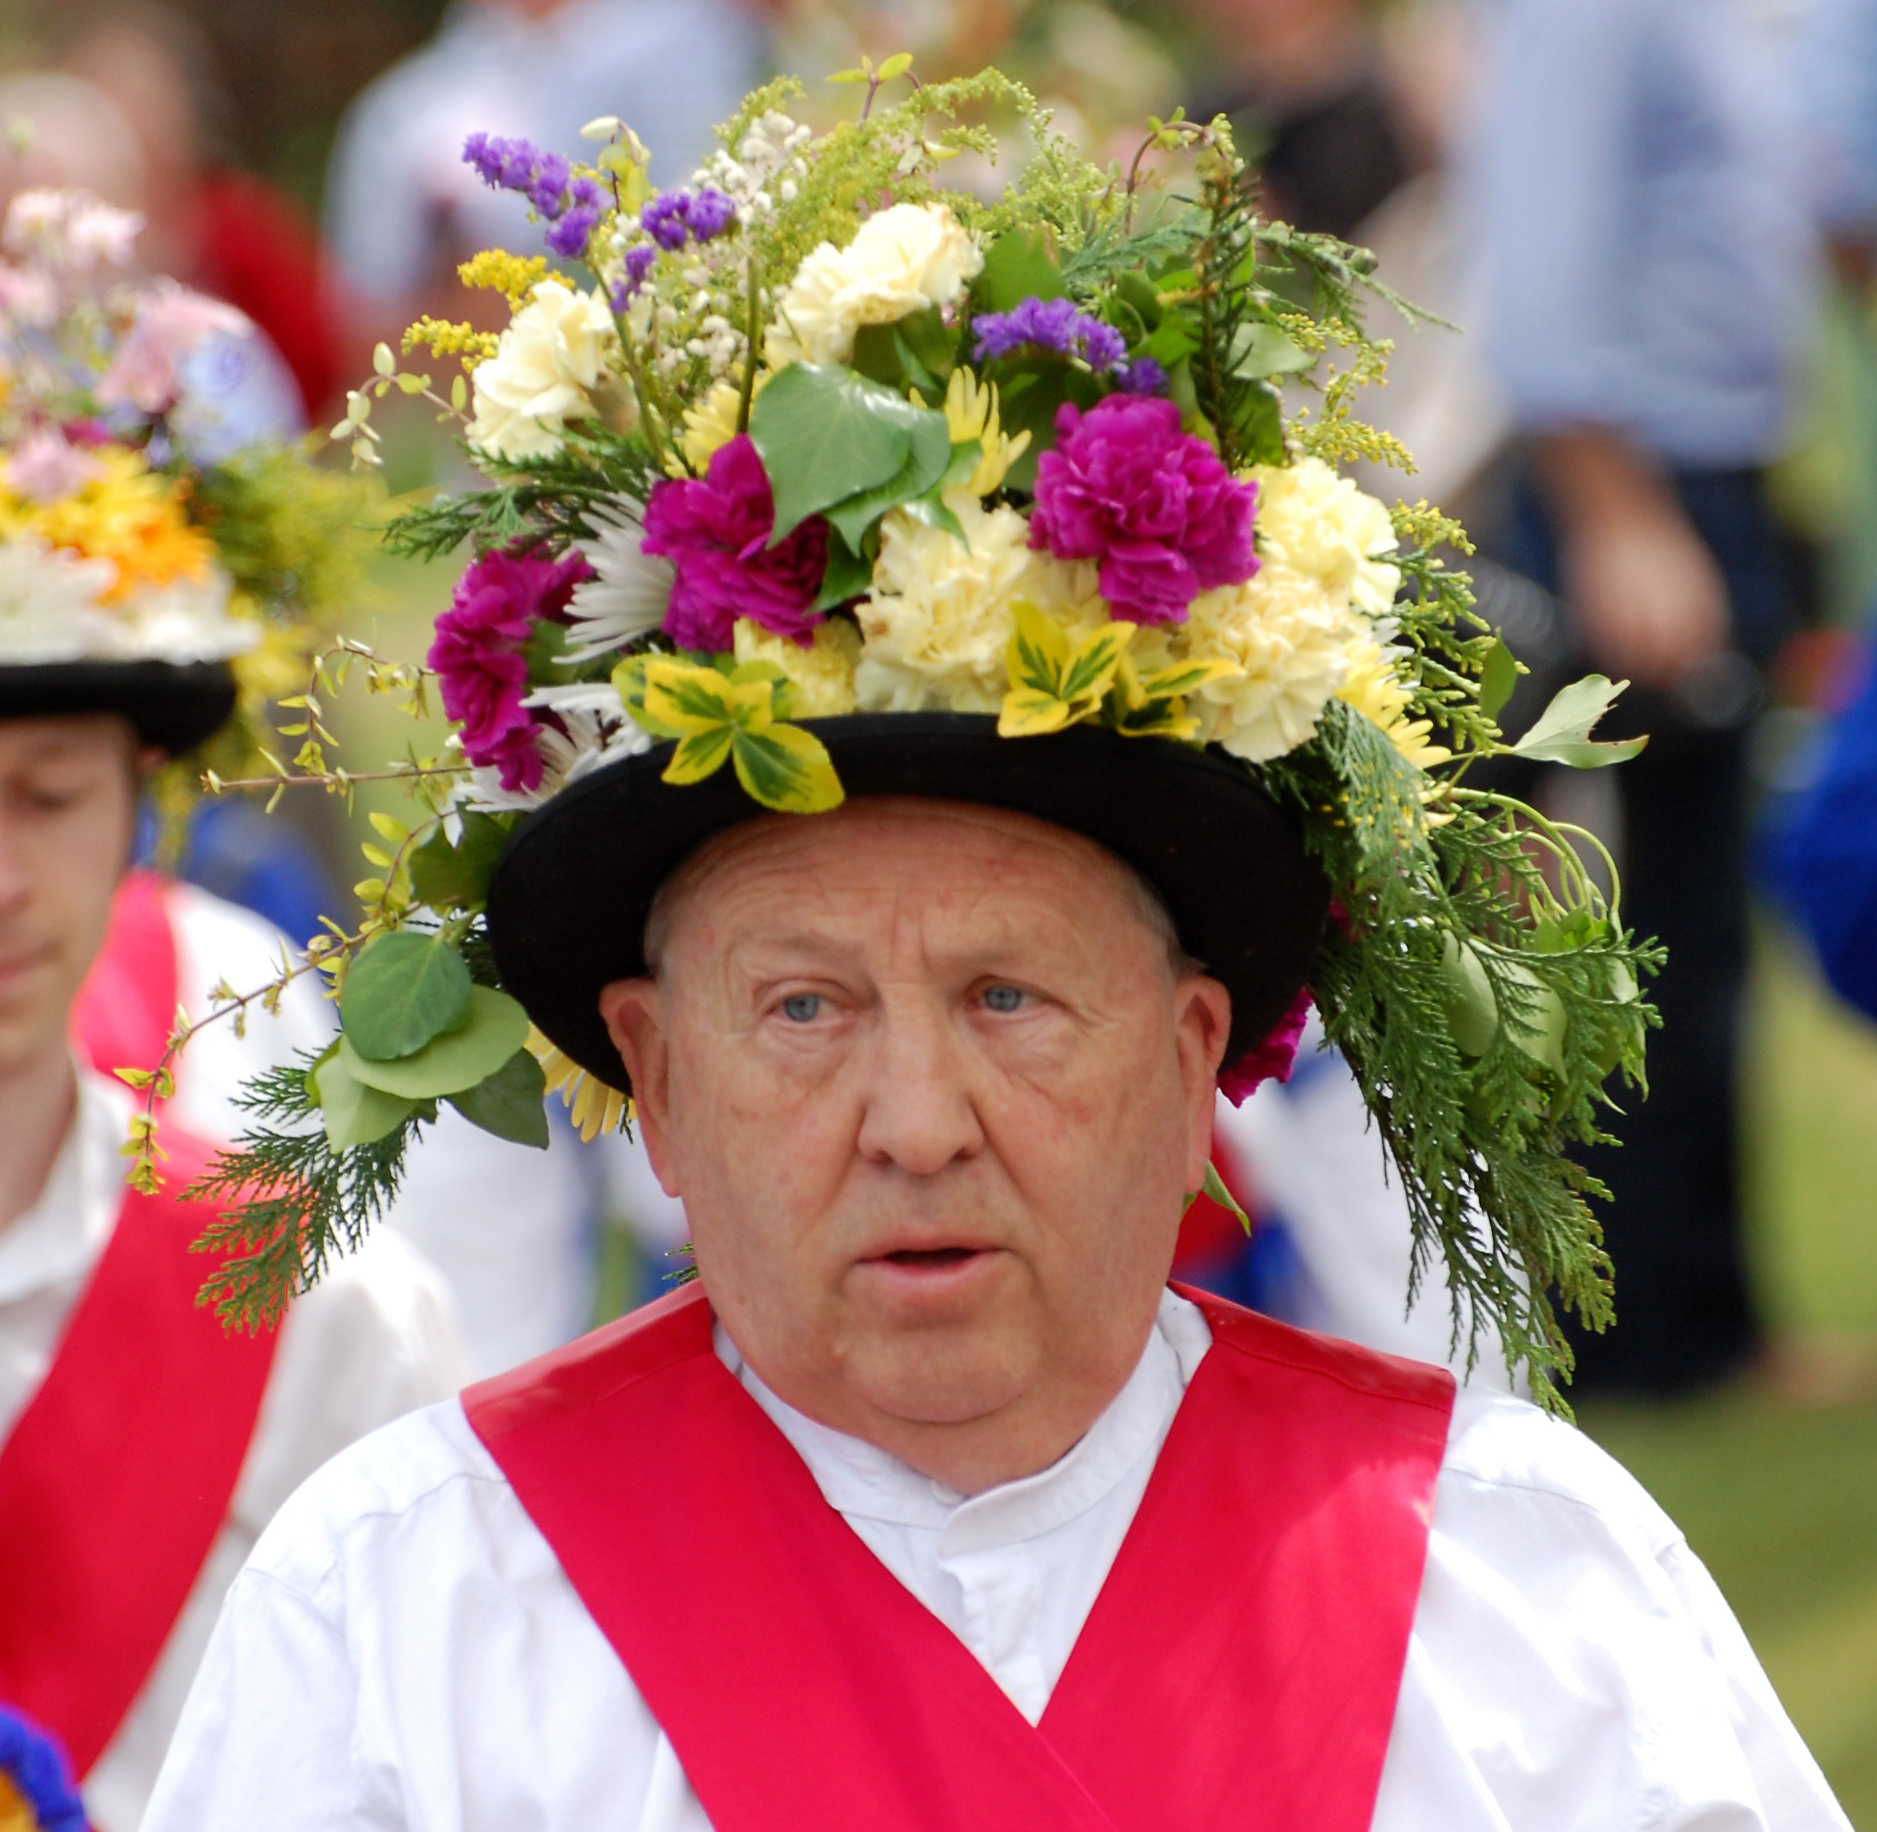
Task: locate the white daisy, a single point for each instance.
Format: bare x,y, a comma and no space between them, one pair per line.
631,592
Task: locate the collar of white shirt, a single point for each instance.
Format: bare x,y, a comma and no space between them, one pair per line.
60,1237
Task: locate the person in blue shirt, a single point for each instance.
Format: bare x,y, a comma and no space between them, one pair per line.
1648,255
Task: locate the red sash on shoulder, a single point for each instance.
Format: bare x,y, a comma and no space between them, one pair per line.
1239,1670
126,1008
118,1475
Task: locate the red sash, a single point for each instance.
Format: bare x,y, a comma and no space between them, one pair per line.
127,1005
118,1475
1239,1670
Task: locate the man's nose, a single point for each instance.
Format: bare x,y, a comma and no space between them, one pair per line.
919,1112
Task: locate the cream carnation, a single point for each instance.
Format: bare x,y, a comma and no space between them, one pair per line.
1293,639
940,616
902,261
1318,523
542,373
822,671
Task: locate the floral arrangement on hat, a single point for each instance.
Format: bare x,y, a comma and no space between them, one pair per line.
37,1793
809,433
130,531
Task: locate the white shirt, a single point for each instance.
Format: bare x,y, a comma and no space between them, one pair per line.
373,1341
403,1651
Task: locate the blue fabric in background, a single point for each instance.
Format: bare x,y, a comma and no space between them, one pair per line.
1821,854
266,866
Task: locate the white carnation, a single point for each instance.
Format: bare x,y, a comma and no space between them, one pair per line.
1292,637
903,260
542,373
1318,523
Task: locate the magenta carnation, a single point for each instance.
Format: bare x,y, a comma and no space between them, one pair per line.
1271,1060
715,530
481,672
1154,505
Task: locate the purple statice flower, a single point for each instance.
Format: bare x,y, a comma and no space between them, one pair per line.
1142,376
548,191
715,530
673,217
569,236
638,265
1153,504
481,672
520,165
1049,324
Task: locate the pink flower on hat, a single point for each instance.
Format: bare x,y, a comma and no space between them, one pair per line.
481,672
1153,504
715,531
1271,1060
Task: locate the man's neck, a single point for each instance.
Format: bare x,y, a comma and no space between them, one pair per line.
38,1097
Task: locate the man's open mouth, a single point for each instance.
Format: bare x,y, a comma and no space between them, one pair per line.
934,1257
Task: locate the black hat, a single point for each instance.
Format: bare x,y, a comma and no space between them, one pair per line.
568,905
173,705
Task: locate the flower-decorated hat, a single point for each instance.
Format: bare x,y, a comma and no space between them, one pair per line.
812,477
137,576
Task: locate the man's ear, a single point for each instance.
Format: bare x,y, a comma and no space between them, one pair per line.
634,1011
1203,1021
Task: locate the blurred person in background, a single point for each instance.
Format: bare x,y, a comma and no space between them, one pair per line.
402,209
1647,266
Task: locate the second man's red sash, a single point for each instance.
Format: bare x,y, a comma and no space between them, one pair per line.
1238,1672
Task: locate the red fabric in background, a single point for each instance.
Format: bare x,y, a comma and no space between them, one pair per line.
126,1008
118,1475
1238,1672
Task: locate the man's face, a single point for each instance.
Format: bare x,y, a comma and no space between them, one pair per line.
68,800
933,1092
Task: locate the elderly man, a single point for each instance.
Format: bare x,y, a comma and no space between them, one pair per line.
896,1518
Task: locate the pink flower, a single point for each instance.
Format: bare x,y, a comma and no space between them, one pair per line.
172,323
1271,1060
715,530
482,674
1154,505
44,467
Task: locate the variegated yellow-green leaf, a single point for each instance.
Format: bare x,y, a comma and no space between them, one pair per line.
1092,667
1030,713
1186,677
688,699
786,768
700,754
1038,652
1161,719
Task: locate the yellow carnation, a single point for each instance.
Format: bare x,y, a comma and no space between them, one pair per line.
1292,637
1319,524
822,671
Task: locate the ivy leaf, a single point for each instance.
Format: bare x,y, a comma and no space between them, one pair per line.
916,351
509,1102
354,1114
1561,733
457,877
494,1030
826,433
404,989
849,575
928,456
1497,677
1017,266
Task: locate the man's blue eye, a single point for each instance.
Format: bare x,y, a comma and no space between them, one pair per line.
802,1006
1004,998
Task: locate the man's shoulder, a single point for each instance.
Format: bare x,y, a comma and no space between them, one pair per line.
420,1487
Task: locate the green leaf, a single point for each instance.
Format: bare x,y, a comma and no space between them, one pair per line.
457,877
404,989
1017,266
700,754
935,346
1260,350
1216,1190
1497,677
509,1102
917,351
494,1030
1466,991
927,459
1539,1028
849,575
788,769
826,434
354,1114
1561,733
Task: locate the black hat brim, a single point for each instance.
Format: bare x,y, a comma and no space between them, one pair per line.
569,900
171,705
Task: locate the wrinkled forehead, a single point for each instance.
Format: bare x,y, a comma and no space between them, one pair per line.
787,873
59,736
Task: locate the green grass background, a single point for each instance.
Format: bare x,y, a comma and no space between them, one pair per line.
1776,1488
